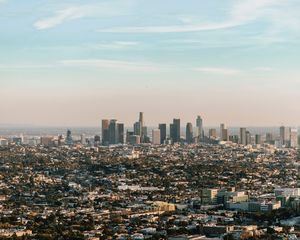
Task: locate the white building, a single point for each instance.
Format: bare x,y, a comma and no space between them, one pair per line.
287,192
3,142
293,137
156,136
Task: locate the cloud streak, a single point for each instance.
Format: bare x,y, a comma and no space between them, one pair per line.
172,29
62,16
104,9
242,12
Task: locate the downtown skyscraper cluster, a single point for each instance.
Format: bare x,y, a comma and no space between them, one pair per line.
114,133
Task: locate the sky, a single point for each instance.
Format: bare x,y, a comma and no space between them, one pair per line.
73,63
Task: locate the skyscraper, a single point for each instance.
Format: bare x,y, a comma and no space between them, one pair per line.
189,133
144,137
105,132
113,131
143,130
248,138
163,132
269,138
69,139
199,125
212,133
175,130
141,119
140,129
134,140
257,139
156,136
120,133
222,127
224,135
243,136
293,137
128,135
137,129
284,136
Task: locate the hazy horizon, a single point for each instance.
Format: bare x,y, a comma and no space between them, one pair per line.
73,63
183,126
92,131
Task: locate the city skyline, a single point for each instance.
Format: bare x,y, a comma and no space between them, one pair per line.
73,63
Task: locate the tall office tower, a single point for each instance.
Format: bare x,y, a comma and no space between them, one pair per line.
172,132
293,137
243,136
142,125
156,136
128,135
224,135
248,138
105,132
69,139
284,136
145,134
113,132
163,132
189,133
199,133
120,134
175,131
212,133
137,129
222,126
141,119
269,138
134,139
258,139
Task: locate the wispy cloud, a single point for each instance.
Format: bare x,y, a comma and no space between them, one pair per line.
218,71
114,64
242,12
102,9
171,29
61,16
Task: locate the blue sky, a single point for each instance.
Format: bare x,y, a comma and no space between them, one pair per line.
75,62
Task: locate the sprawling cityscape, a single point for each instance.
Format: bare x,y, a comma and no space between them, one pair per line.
127,183
149,120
